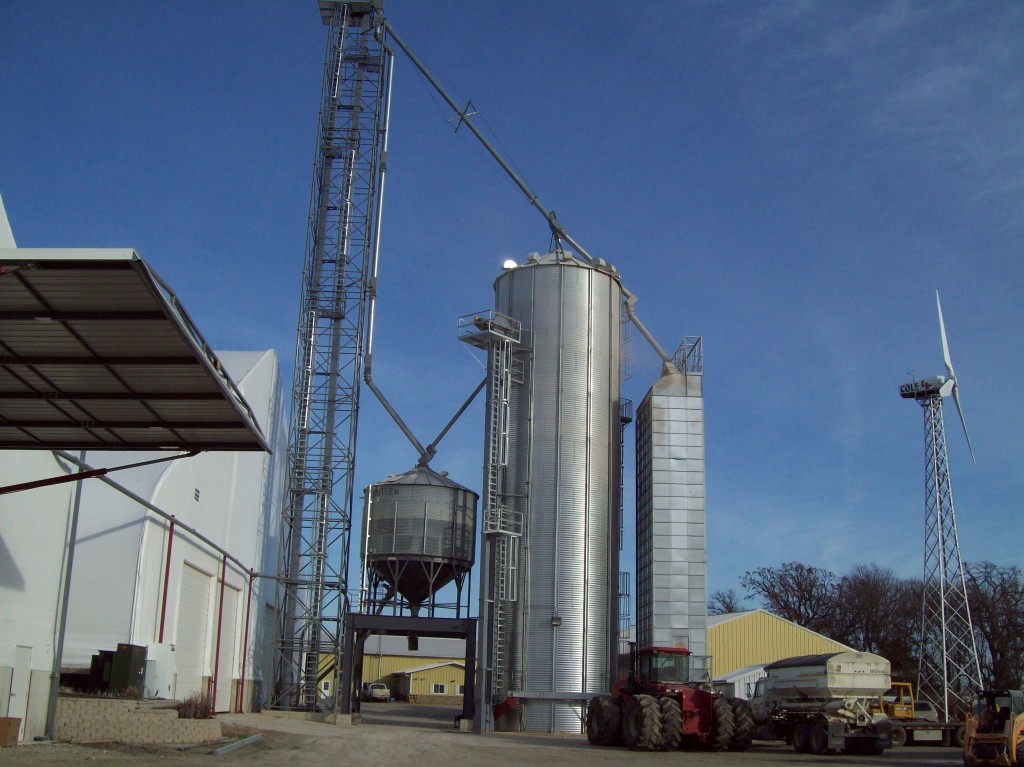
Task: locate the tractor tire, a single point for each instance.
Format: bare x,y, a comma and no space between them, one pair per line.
743,719
801,736
899,737
817,739
604,721
723,727
641,723
671,723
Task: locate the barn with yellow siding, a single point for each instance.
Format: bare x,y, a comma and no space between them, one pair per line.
757,637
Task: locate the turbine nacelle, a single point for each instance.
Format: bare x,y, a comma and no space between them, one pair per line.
936,386
941,386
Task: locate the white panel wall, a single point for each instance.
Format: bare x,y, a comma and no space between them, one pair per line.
33,527
119,568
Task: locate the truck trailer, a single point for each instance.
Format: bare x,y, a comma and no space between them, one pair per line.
821,703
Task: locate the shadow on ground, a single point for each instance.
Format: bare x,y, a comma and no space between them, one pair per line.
410,715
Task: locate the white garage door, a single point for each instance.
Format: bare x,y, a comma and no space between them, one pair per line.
192,630
225,664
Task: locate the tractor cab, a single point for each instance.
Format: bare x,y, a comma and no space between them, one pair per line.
664,665
657,670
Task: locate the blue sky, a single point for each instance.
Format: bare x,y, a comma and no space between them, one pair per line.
790,180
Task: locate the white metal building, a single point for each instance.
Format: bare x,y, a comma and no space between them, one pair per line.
99,353
135,582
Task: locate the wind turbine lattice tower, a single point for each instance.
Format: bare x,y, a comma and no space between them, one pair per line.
948,670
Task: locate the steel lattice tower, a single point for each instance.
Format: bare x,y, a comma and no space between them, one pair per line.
948,670
340,249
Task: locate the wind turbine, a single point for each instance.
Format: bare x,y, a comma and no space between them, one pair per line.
948,669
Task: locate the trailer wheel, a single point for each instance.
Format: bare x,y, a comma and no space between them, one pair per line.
743,720
958,737
604,721
899,737
641,723
671,723
723,727
817,740
801,734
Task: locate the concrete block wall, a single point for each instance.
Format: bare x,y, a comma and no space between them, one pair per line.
110,720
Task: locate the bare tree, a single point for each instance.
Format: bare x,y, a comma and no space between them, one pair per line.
880,613
799,593
996,597
727,601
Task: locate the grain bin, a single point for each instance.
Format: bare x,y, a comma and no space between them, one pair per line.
557,639
419,533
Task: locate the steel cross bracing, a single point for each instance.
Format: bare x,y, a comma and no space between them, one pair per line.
948,671
343,223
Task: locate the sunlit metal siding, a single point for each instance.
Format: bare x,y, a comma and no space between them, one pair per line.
758,637
419,518
563,475
420,682
671,540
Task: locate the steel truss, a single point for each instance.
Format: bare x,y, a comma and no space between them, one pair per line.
948,670
340,248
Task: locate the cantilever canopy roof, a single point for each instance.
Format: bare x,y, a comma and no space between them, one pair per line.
97,353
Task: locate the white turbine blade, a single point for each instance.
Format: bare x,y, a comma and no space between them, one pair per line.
960,410
945,346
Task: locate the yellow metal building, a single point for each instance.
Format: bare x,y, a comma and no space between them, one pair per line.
756,637
432,682
419,672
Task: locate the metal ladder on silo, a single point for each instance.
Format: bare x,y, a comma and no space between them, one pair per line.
501,524
500,335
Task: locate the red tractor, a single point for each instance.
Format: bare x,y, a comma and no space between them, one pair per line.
658,708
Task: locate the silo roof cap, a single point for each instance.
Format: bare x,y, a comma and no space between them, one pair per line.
423,475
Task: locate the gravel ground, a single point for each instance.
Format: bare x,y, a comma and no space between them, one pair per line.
399,733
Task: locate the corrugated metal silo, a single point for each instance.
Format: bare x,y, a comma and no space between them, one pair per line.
420,532
562,475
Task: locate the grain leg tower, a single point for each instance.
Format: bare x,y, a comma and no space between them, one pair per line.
550,558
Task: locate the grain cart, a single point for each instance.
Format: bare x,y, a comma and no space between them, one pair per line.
658,708
820,703
994,732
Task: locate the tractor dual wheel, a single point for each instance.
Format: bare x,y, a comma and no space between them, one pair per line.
743,720
723,726
604,721
641,723
671,723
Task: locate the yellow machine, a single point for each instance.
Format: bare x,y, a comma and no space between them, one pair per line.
994,732
916,721
898,703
